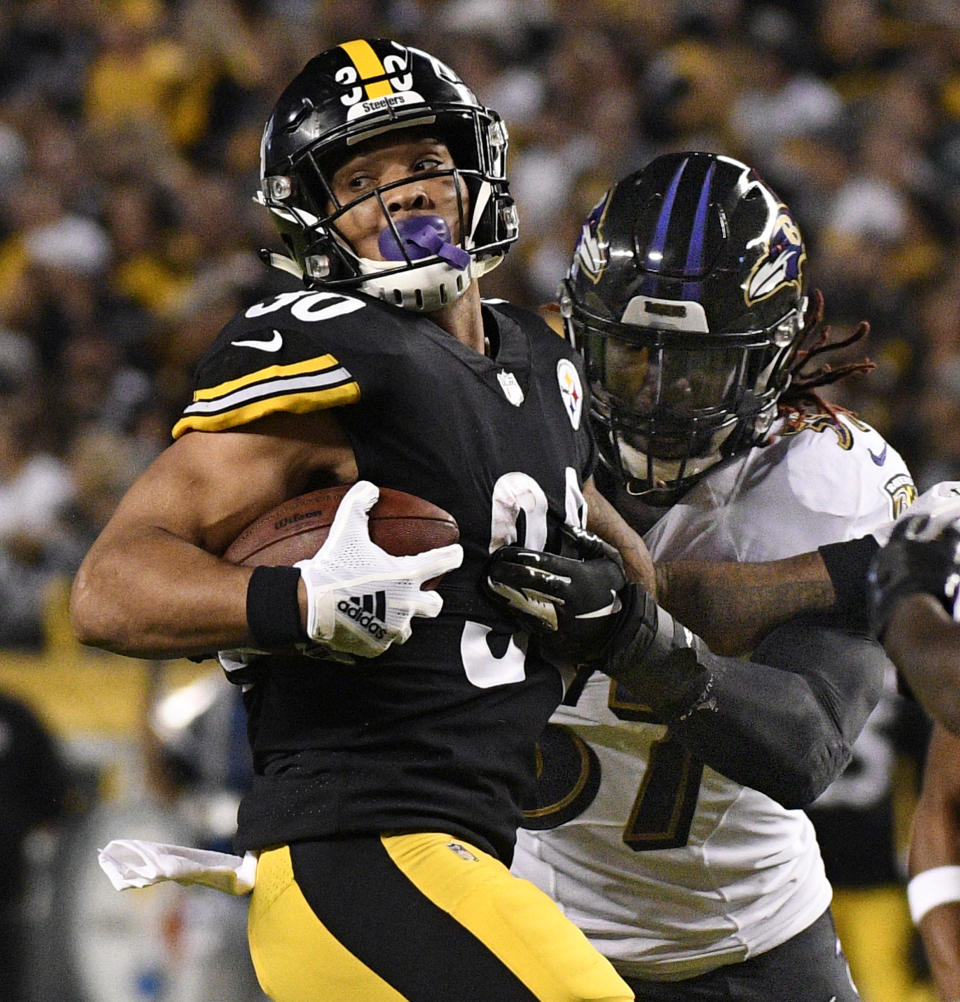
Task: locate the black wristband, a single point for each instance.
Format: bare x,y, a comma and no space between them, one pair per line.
847,564
273,608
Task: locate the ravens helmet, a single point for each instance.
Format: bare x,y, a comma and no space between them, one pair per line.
357,91
685,296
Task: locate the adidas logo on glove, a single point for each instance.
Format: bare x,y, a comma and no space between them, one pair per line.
360,598
367,611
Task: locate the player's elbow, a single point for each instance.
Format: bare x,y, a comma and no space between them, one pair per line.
947,713
94,619
791,758
84,617
812,751
803,778
826,731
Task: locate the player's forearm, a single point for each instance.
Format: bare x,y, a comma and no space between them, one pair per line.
924,643
732,606
935,834
786,732
606,522
784,724
940,932
159,597
935,851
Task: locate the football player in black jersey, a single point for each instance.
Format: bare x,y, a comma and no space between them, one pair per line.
914,589
389,763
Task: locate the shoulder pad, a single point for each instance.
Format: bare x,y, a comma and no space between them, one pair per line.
847,468
291,352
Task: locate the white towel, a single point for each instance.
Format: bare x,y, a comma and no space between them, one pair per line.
137,863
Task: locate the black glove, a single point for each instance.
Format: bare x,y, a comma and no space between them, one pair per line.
582,610
572,603
923,555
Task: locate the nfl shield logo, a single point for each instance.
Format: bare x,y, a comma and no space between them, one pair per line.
571,390
511,388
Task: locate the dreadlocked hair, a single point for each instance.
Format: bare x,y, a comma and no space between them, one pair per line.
801,395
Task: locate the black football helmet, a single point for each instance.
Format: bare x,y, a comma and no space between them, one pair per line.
357,91
685,296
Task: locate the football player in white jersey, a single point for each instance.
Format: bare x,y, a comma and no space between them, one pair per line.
667,821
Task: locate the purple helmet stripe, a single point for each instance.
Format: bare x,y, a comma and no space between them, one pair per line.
695,250
659,241
694,263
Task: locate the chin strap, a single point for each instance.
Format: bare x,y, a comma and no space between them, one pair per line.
280,261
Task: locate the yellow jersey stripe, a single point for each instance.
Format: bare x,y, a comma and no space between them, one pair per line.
294,403
368,65
261,375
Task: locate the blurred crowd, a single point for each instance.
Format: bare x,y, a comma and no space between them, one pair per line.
129,156
129,145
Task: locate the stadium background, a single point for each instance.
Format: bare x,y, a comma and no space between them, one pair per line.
129,136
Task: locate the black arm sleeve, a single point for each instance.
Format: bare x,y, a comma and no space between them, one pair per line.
847,563
784,723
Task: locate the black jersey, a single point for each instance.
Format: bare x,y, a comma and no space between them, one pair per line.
436,734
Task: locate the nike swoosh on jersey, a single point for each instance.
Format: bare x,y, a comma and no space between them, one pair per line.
274,344
881,458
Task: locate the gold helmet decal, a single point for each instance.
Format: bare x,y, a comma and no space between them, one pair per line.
593,251
371,84
782,265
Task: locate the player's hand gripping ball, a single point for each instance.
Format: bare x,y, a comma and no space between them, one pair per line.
369,557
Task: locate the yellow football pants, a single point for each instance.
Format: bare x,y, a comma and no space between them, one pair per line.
414,918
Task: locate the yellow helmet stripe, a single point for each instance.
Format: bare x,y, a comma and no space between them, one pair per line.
368,65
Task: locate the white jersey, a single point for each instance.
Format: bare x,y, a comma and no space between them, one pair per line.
674,870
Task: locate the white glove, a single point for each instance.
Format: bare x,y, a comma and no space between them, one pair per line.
360,599
941,502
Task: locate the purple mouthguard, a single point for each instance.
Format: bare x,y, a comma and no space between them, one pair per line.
422,236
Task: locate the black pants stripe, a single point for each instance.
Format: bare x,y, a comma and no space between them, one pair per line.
447,962
422,917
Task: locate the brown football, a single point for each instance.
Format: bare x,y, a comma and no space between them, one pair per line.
400,523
